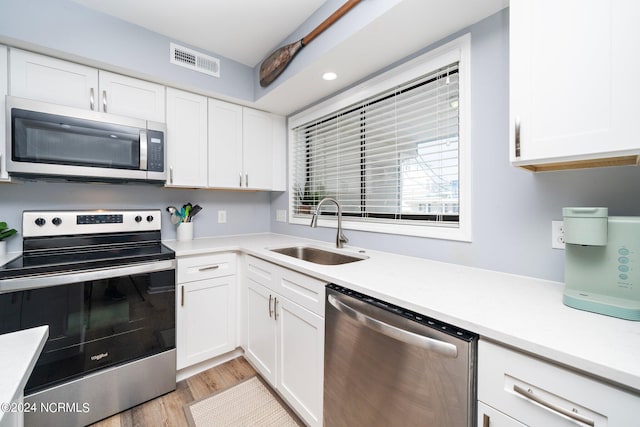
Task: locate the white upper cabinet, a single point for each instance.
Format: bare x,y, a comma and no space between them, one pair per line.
225,144
574,91
131,97
56,81
186,139
244,147
3,92
257,148
53,80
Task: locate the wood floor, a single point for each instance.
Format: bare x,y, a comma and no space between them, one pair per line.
167,410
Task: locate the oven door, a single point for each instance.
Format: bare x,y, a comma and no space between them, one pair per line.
53,140
96,319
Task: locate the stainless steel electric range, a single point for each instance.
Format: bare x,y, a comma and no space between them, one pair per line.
105,285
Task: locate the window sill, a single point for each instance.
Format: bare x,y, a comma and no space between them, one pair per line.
445,232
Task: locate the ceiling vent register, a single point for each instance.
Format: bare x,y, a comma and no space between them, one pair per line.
195,61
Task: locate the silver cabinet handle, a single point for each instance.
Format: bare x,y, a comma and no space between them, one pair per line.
270,311
246,180
182,296
528,394
211,267
104,101
170,174
440,347
517,137
240,175
275,308
92,99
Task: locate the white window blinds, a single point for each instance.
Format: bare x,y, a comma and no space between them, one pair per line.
392,157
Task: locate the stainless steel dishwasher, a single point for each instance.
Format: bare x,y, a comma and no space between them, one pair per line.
388,366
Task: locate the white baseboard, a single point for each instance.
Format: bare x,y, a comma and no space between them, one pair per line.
190,371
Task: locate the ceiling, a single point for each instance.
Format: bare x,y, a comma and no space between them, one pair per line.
242,30
248,30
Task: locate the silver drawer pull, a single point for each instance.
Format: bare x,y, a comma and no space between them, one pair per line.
528,394
212,267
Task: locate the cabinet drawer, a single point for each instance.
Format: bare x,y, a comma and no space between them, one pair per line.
305,291
535,392
262,272
208,266
489,417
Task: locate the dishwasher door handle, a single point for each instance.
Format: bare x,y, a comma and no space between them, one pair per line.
430,344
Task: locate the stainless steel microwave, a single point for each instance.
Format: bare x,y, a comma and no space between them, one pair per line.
55,141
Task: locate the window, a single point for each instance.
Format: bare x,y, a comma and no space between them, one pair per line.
394,154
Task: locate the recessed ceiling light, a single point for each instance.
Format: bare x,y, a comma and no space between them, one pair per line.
329,76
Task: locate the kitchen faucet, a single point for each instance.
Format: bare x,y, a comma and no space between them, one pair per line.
341,239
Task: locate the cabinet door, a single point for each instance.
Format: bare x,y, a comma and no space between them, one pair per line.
571,79
489,417
53,80
4,79
301,359
206,320
261,330
257,149
131,97
538,393
279,150
225,145
186,139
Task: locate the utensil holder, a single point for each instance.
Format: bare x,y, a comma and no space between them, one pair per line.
185,231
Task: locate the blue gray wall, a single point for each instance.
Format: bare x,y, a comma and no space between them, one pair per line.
512,209
247,212
71,31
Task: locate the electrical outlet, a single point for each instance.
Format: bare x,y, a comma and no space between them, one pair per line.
557,234
222,217
281,215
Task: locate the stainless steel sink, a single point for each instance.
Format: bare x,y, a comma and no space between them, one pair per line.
318,256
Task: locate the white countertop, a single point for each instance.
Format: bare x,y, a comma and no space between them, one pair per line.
19,352
521,312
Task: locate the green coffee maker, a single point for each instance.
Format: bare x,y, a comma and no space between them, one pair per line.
602,262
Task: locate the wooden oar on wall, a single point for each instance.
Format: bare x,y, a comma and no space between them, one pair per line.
275,64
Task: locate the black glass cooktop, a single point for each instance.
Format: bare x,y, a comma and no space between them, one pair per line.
84,258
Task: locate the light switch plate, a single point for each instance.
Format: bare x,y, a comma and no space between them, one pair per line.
281,215
222,217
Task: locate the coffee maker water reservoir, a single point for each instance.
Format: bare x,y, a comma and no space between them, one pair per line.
602,262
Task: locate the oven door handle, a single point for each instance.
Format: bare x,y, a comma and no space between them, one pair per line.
56,279
430,344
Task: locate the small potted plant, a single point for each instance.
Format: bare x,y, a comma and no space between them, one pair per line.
5,233
307,197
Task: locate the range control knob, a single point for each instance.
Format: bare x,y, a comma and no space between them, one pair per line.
56,221
40,222
138,218
149,218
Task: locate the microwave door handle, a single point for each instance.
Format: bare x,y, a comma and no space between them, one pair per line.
143,149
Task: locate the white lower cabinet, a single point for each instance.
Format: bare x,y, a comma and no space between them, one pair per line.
515,389
489,417
285,339
206,307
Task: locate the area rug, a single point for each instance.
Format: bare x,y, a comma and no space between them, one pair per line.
249,403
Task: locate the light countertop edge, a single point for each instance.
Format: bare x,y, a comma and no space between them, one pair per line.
520,312
19,352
